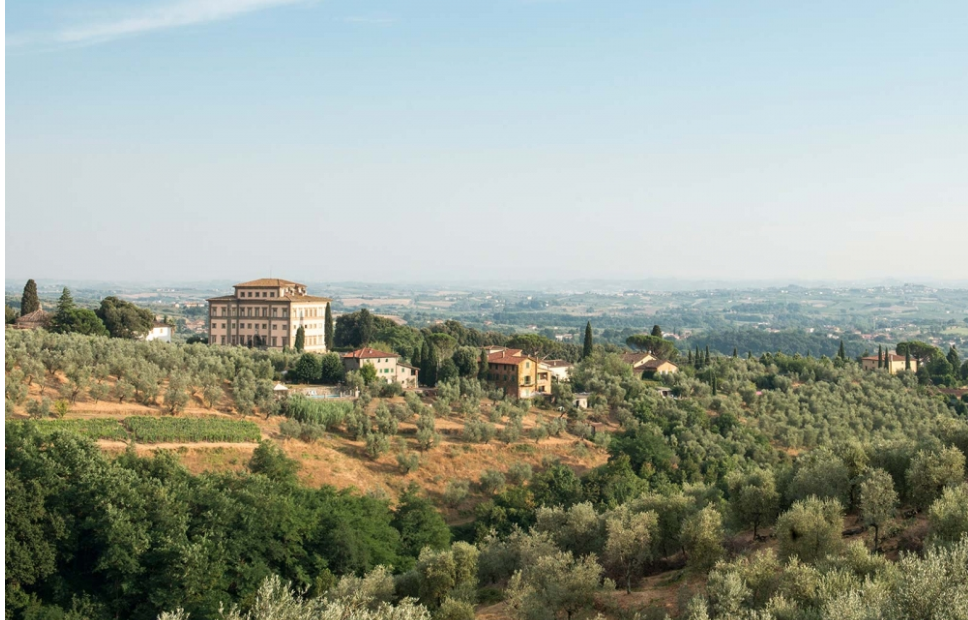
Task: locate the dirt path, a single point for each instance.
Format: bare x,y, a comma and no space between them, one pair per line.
121,445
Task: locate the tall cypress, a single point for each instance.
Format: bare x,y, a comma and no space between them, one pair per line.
300,339
735,353
328,336
689,360
707,355
656,331
587,348
415,359
749,355
29,302
907,359
431,363
880,357
841,353
483,367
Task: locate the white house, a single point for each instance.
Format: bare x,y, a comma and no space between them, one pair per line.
160,331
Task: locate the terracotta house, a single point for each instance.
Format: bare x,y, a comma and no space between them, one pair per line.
388,366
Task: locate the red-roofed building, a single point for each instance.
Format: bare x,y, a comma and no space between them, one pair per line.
516,373
388,366
266,314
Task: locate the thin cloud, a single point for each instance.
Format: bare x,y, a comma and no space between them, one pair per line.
163,17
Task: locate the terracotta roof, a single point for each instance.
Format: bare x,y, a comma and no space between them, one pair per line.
268,282
654,364
557,363
407,366
508,357
161,324
292,298
36,318
635,358
893,356
368,353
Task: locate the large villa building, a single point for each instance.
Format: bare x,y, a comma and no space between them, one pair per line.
266,313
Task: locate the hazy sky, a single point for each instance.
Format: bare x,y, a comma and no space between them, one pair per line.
415,140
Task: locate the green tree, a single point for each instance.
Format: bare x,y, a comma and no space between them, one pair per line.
300,343
554,586
368,373
628,545
419,523
483,366
428,371
123,319
11,314
29,302
702,539
465,358
587,345
753,498
841,354
308,369
328,333
948,515
657,331
269,460
659,347
331,370
931,472
880,357
810,530
878,501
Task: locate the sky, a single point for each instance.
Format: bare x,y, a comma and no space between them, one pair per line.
420,140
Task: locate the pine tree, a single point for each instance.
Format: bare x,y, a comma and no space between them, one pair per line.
483,367
328,334
587,348
656,331
29,302
300,339
66,302
841,353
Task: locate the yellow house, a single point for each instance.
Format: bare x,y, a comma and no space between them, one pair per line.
894,363
517,373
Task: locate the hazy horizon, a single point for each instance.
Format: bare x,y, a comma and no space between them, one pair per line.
508,141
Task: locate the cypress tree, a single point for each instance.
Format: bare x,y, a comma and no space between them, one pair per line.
29,302
415,359
880,357
907,359
431,363
483,366
587,348
328,335
707,355
656,331
714,385
735,354
749,355
841,353
300,339
689,360
66,302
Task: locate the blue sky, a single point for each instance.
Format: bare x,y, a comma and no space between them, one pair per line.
503,139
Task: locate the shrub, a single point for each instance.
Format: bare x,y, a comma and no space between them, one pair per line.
493,481
290,429
376,445
811,529
408,462
519,473
456,492
312,432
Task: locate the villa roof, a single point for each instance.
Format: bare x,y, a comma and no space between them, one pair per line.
636,357
368,353
557,363
507,356
262,282
894,357
654,364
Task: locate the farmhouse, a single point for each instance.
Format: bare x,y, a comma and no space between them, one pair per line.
388,366
893,362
